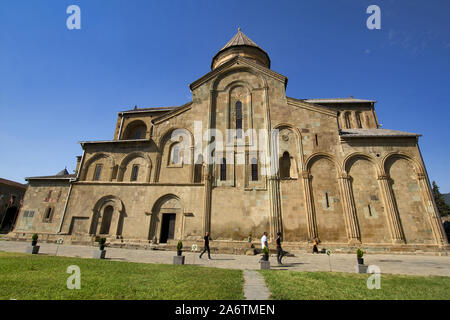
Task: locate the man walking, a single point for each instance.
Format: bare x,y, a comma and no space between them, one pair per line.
206,246
264,242
279,249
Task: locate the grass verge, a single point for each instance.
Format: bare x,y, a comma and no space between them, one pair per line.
293,285
43,277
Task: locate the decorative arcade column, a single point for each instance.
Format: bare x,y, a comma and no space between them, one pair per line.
351,218
310,214
432,212
276,224
395,225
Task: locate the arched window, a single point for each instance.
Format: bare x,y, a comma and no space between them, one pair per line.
285,166
135,173
358,119
347,120
98,172
175,154
223,170
239,119
254,164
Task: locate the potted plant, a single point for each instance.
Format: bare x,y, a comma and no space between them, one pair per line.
33,248
101,253
359,256
179,247
34,239
265,253
179,259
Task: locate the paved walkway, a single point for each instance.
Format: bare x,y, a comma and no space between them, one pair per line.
388,263
255,286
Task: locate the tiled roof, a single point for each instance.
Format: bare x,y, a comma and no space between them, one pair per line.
338,100
12,183
62,175
155,109
369,133
65,177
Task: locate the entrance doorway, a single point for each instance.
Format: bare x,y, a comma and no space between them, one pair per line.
167,227
7,221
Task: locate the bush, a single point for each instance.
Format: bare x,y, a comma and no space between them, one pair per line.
179,246
359,253
35,237
101,241
265,251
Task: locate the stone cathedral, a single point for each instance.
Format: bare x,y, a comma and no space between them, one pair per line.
339,177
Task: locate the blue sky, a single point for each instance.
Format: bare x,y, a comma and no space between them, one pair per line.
60,86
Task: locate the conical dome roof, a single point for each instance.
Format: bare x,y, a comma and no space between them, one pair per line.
240,39
241,45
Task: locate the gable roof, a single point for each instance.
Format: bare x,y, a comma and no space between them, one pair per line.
371,133
12,183
338,100
240,61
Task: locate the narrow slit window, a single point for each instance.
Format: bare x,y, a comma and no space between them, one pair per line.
135,173
48,215
327,200
98,171
254,169
223,170
239,119
317,140
370,210
358,120
347,120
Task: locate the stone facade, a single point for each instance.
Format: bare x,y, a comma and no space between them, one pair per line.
11,198
310,168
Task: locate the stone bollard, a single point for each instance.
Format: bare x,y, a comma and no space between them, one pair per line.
178,259
361,268
99,254
32,249
264,265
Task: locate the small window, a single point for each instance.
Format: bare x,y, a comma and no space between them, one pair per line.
370,209
327,200
317,140
176,154
135,173
239,119
223,170
254,163
48,215
97,173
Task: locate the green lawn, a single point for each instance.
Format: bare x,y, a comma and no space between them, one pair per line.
44,277
291,285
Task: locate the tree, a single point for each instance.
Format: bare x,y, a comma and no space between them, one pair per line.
443,208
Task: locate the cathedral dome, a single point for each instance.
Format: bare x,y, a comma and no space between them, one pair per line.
241,45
